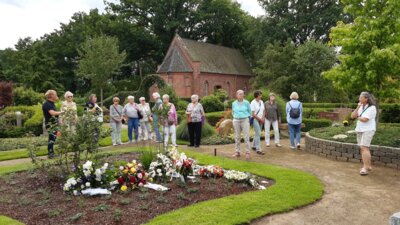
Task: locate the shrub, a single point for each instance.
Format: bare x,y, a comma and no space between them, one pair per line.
217,140
34,124
18,143
146,158
312,113
5,94
27,96
181,105
221,94
211,103
182,132
214,117
315,123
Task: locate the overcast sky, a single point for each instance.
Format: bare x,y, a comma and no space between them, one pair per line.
34,18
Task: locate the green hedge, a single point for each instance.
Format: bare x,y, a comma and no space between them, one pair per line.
315,123
33,123
312,113
214,117
211,103
182,132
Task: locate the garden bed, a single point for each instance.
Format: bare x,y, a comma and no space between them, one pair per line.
386,135
41,200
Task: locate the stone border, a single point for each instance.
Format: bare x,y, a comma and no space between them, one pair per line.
348,152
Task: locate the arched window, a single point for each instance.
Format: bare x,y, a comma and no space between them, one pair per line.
206,88
228,88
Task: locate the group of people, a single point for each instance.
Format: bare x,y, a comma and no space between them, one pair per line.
267,114
257,113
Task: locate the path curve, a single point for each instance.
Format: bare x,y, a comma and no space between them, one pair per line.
349,198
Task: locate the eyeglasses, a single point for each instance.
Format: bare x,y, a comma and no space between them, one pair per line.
69,96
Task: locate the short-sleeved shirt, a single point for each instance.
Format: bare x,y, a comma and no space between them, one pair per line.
196,111
131,110
366,112
257,107
46,107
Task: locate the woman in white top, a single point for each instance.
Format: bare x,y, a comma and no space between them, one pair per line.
146,120
257,110
365,113
69,116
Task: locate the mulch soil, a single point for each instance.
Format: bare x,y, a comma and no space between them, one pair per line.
32,198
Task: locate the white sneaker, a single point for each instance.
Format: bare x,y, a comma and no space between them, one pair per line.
267,145
292,147
278,145
114,144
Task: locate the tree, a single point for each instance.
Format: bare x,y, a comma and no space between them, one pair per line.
215,21
370,49
286,68
99,58
301,20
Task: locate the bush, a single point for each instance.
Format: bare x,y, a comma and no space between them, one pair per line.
315,123
5,94
182,132
18,143
217,140
181,105
27,96
221,94
213,117
32,124
211,103
312,113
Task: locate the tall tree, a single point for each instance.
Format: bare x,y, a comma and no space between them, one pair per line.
301,20
286,68
370,48
99,59
215,21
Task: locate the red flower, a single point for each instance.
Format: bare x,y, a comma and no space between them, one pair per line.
120,180
132,179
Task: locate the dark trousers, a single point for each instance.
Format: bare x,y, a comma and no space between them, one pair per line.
194,133
50,144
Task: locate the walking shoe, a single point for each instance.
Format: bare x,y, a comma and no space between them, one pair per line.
254,148
267,145
114,144
292,147
278,145
298,146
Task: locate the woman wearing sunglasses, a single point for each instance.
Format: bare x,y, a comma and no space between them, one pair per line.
69,115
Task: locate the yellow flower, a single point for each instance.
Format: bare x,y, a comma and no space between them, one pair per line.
129,165
124,188
125,171
133,170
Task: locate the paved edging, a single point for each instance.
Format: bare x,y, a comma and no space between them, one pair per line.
348,152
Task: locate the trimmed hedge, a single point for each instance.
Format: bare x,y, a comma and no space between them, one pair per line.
33,123
212,103
315,123
214,117
312,113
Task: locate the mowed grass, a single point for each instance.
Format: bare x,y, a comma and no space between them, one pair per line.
292,189
8,221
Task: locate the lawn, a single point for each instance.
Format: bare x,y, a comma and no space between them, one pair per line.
292,189
386,135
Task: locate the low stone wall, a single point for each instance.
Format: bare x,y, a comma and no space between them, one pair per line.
381,155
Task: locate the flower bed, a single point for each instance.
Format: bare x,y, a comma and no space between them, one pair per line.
43,201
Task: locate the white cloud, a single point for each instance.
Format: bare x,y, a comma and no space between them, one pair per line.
34,18
252,7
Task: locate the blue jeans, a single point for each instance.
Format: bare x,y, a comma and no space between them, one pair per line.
257,129
133,123
156,128
294,129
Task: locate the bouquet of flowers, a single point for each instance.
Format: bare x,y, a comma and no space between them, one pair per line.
210,171
88,176
129,176
162,168
241,177
184,166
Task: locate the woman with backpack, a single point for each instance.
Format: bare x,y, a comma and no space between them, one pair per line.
294,111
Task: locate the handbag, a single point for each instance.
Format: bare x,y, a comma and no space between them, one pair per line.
140,115
252,118
122,119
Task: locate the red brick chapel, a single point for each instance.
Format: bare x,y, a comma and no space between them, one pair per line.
194,67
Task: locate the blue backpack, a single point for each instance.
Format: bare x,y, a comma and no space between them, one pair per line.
294,112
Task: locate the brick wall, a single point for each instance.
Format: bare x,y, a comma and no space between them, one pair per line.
381,155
